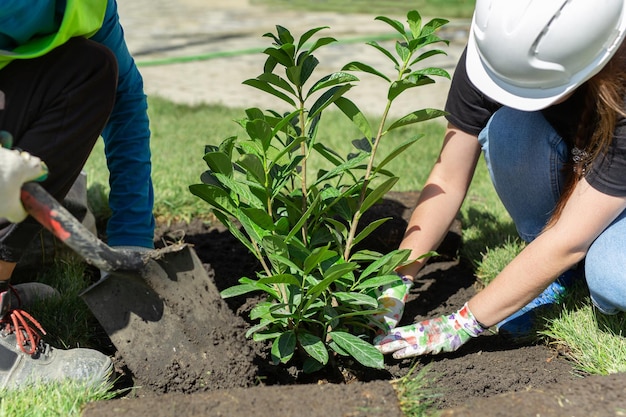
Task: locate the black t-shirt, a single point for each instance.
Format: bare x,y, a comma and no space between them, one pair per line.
470,110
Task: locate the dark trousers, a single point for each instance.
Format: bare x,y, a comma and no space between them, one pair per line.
55,107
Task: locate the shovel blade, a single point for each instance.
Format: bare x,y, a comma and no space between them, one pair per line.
155,317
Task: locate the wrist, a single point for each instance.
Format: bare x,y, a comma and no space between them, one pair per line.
466,320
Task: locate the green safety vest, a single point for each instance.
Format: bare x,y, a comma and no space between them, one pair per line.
81,18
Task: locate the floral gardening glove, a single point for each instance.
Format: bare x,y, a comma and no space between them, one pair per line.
443,334
393,298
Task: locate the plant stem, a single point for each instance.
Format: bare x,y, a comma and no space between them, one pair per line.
370,165
366,180
304,151
261,258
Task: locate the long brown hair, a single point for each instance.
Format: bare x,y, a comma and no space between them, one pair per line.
603,107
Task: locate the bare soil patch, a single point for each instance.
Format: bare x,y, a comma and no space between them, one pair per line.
534,379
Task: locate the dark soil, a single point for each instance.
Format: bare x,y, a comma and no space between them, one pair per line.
480,370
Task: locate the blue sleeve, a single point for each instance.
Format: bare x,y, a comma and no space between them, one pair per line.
127,146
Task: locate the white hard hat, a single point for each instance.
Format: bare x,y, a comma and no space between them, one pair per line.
527,54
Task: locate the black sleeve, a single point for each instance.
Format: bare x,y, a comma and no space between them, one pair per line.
467,108
607,172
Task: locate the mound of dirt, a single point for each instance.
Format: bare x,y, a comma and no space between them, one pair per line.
484,367
488,376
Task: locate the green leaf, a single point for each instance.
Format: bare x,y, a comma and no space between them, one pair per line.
397,151
385,52
284,35
365,255
259,326
259,217
330,275
321,42
307,67
281,55
285,122
310,365
344,167
261,287
240,189
363,144
314,346
433,25
415,23
403,51
418,75
424,41
280,279
426,55
278,260
334,346
237,290
377,282
354,113
398,87
261,336
367,230
281,226
331,80
296,228
328,98
279,82
359,66
251,146
253,230
253,165
283,347
208,177
308,34
394,258
265,86
416,117
276,249
270,65
253,113
363,352
378,193
393,23
234,230
355,298
338,226
329,154
261,310
215,196
317,256
283,176
219,162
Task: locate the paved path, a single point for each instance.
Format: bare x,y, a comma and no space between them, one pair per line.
175,33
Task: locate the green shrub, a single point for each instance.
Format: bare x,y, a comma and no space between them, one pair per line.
301,225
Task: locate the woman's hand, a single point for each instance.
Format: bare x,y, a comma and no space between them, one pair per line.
443,334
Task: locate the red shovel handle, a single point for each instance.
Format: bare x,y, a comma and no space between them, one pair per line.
60,222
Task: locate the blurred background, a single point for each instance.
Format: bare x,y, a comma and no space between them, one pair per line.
200,51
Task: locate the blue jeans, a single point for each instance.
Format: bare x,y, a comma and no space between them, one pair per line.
525,158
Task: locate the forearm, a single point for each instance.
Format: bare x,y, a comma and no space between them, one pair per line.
525,278
127,145
586,214
429,223
441,197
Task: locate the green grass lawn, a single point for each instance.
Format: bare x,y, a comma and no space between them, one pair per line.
488,234
179,135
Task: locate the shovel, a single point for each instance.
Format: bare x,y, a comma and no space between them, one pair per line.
155,307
